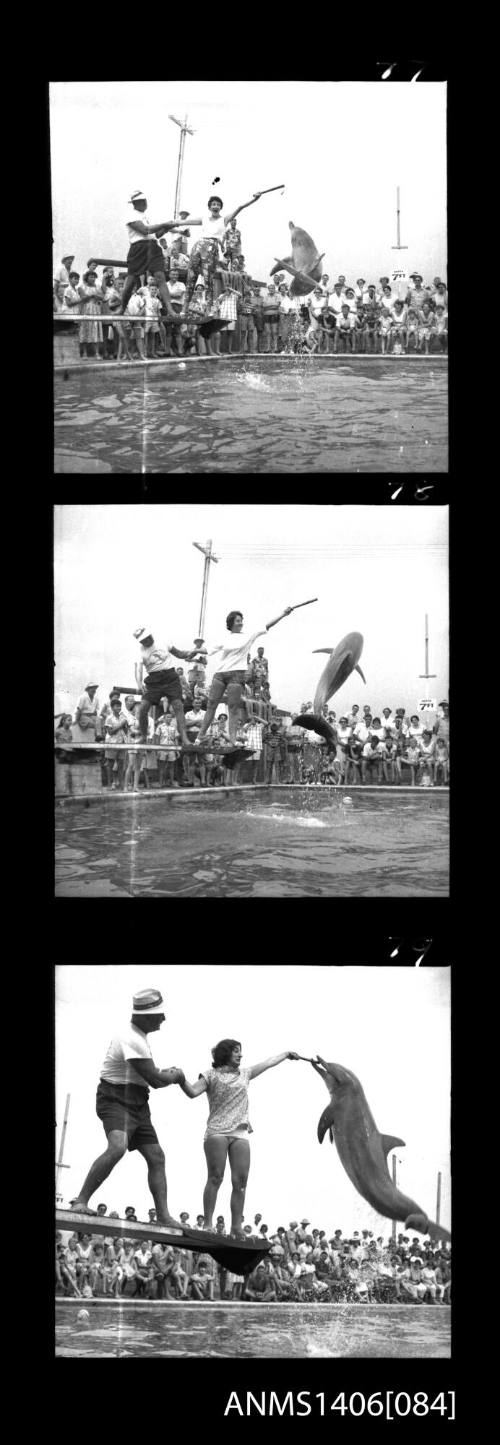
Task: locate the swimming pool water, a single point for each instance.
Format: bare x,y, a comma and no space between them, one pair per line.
275,843
255,414
265,1331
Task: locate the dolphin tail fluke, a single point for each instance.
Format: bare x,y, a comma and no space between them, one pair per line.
389,1141
358,669
326,1122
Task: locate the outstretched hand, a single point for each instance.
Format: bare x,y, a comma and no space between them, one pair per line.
292,1055
176,1076
288,610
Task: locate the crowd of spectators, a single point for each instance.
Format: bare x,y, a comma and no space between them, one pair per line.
370,748
303,1265
409,316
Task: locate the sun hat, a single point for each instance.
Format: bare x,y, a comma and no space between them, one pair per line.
148,1001
141,632
138,196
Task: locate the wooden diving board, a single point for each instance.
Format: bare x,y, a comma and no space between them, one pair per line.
239,1255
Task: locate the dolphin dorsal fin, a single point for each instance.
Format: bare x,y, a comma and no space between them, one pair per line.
389,1141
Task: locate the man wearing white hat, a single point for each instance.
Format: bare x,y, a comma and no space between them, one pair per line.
145,254
162,680
127,1074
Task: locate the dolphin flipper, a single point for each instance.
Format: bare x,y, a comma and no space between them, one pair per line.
326,1122
389,1141
358,669
286,265
323,649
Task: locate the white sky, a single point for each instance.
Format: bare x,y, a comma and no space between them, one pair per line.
340,149
389,1025
375,570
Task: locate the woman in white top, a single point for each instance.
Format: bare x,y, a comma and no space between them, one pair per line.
228,1124
205,253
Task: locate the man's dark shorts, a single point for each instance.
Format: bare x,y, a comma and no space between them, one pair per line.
163,684
144,256
125,1107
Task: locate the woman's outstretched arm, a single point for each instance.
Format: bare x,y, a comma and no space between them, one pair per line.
192,1090
271,1063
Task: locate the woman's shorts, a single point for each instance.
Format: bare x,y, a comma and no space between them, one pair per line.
125,1107
163,684
221,679
144,256
229,1136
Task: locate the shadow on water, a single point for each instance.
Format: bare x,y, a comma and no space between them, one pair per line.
258,1331
257,415
379,845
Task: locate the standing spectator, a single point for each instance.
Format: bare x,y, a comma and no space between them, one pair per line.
115,730
61,281
400,324
167,735
228,307
154,328
71,297
270,309
85,722
391,768
274,753
136,310
92,303
137,761
253,733
248,333
384,329
371,320
415,729
286,316
258,317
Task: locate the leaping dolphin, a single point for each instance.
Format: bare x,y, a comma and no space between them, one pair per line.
363,1151
304,264
343,659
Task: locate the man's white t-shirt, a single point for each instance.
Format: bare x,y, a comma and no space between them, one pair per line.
232,657
118,1067
157,659
132,215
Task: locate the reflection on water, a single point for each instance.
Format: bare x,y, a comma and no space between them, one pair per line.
256,415
233,846
265,1331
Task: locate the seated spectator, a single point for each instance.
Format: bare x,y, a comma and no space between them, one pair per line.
260,1285
427,752
427,327
410,760
371,766
441,761
354,757
343,339
439,341
384,330
201,1283
391,764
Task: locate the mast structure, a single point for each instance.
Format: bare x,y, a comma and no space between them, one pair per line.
185,130
209,557
427,674
60,1157
398,246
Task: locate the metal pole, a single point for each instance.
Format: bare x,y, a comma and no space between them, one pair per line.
438,1199
185,129
427,673
394,1180
209,557
60,1164
398,246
